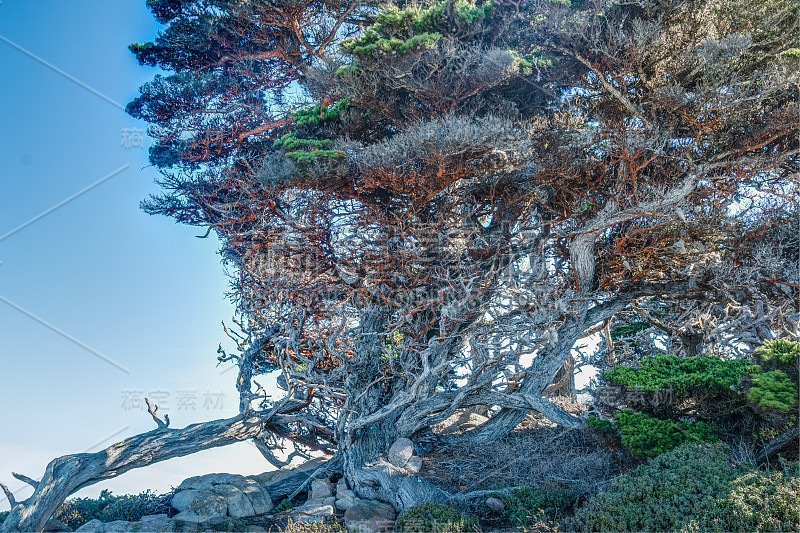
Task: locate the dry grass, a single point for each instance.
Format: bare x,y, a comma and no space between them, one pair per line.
537,453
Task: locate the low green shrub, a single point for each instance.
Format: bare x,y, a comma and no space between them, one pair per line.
599,423
431,517
529,505
692,488
647,436
663,372
107,508
779,350
772,390
284,505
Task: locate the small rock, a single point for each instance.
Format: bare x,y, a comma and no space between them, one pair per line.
495,504
400,452
346,503
370,516
154,522
414,464
313,511
321,489
342,488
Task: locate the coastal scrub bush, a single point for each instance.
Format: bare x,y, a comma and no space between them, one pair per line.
662,372
107,508
647,436
692,488
530,505
772,390
780,350
431,517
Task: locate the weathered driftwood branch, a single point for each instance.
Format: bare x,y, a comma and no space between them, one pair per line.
153,410
65,475
25,479
11,501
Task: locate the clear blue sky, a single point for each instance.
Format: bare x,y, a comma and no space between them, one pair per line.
138,290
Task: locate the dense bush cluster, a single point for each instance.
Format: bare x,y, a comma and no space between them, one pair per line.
531,505
735,396
107,508
662,372
692,488
431,517
647,436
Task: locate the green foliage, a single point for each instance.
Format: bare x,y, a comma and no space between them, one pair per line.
136,47
291,141
620,332
285,505
527,505
599,423
318,114
780,350
526,63
647,436
107,508
433,517
773,390
344,69
759,501
416,27
661,372
4,515
371,42
692,488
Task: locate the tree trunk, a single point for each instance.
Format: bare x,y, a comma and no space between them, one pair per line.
537,378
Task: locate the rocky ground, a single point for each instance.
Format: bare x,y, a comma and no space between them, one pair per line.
536,454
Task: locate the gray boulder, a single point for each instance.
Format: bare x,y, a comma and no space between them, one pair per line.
400,452
154,522
199,505
495,504
346,503
321,489
239,505
245,496
92,526
313,511
414,464
370,516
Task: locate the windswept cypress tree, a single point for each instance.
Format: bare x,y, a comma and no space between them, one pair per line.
426,205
